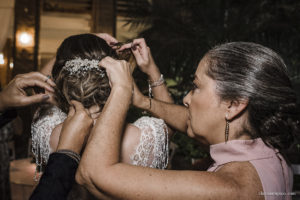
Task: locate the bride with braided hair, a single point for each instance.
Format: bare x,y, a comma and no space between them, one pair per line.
78,77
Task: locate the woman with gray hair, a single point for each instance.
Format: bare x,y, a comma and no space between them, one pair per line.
242,105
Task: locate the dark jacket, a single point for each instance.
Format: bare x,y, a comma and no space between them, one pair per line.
7,116
57,179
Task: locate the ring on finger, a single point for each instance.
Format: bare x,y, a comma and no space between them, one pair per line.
48,77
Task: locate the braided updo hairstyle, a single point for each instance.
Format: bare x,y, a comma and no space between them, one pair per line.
89,88
251,71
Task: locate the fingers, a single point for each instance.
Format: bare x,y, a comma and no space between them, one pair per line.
29,82
118,71
140,47
52,99
27,100
140,42
94,109
78,106
111,64
71,111
136,44
38,76
107,62
137,55
110,40
125,46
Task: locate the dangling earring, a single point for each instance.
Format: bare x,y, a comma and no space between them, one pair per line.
226,128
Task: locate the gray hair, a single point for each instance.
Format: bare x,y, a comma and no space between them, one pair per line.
244,70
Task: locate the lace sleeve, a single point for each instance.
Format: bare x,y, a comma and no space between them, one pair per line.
45,120
153,148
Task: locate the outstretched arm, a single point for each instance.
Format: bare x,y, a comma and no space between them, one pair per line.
174,115
164,108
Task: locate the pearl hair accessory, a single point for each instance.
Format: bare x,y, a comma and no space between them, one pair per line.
80,66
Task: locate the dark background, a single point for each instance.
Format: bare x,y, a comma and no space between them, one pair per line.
180,32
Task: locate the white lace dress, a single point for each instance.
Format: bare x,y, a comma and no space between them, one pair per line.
151,151
153,148
41,129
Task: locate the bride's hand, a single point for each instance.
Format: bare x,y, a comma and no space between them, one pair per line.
118,72
142,55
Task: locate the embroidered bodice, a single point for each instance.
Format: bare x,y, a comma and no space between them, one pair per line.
151,151
41,130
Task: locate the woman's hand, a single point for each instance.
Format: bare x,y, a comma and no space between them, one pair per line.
143,57
75,129
118,72
110,40
14,95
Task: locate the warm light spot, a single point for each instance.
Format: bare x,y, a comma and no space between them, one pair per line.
1,59
11,65
25,38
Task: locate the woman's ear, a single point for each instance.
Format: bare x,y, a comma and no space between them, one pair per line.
236,108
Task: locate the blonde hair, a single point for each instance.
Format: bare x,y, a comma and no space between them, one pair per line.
90,88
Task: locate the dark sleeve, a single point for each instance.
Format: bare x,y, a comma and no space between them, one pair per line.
7,116
58,178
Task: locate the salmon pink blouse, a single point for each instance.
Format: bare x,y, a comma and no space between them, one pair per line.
274,173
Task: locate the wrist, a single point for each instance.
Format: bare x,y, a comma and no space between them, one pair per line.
156,82
73,142
143,103
72,147
124,90
74,155
153,73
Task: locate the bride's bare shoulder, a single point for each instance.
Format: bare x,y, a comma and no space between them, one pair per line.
54,138
130,140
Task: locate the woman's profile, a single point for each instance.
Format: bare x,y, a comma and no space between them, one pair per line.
242,105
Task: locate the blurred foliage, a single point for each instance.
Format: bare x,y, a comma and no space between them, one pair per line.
179,32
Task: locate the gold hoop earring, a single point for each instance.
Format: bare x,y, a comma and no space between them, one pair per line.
226,130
